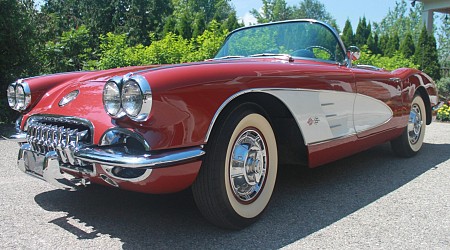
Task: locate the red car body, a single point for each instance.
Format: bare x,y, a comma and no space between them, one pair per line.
189,100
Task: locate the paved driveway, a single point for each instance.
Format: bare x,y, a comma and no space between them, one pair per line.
371,200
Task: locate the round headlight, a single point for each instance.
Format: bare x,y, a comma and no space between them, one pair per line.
132,98
22,95
20,98
111,98
11,93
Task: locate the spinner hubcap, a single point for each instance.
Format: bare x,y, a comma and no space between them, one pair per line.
248,165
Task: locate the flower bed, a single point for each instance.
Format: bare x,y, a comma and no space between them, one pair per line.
443,113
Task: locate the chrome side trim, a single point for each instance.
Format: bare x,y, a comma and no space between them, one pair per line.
224,104
120,156
321,128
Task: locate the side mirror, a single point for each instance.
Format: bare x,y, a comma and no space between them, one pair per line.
354,53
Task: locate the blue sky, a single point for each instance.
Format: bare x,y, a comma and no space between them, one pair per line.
373,10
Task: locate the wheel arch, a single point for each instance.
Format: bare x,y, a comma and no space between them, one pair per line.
426,99
290,141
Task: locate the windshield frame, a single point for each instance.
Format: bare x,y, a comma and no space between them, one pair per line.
327,26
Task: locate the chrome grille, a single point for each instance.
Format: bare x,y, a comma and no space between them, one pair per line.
55,135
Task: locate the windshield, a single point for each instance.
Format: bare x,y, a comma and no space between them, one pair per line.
304,39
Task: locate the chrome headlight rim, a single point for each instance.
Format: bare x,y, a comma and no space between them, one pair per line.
11,95
115,82
145,101
25,88
132,98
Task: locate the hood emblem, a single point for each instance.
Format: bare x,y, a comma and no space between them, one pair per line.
68,98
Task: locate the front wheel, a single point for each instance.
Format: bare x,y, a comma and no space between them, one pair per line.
410,142
238,174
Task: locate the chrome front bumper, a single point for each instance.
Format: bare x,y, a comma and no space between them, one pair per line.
47,167
120,156
58,156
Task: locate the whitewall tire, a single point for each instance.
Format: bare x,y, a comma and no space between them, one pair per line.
411,141
238,174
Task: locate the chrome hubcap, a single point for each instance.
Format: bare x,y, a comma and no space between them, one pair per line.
414,124
248,166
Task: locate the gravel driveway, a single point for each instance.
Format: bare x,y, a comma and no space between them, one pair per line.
372,200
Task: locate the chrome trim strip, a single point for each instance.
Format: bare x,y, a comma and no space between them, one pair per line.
260,90
119,156
224,104
268,91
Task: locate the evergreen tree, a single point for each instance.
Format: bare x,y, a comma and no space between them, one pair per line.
232,22
376,48
368,30
383,44
443,35
193,16
407,47
426,55
402,19
272,10
362,32
392,45
347,34
313,9
372,45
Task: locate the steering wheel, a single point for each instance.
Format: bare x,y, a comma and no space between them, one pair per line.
312,47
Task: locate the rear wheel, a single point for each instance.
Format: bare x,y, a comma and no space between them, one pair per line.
410,142
238,174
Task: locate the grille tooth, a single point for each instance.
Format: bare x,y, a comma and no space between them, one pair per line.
49,135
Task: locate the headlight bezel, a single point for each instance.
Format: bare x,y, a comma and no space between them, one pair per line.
146,97
25,100
143,100
132,98
11,95
115,82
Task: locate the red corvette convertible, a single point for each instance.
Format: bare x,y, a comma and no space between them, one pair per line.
277,93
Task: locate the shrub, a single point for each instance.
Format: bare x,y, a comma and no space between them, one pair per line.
443,86
389,63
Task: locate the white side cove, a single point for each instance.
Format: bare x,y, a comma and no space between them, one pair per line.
370,113
327,115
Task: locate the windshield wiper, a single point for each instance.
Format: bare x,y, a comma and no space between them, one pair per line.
269,54
273,54
227,57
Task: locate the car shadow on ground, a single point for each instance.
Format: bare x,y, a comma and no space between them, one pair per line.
304,202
